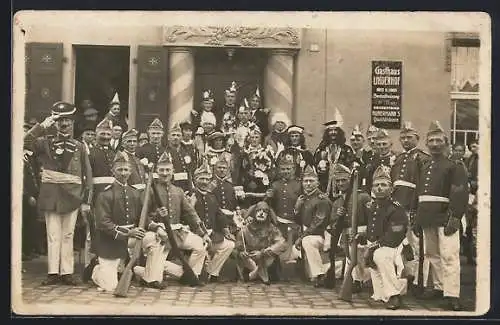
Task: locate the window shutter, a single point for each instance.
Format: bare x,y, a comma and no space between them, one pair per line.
44,63
152,85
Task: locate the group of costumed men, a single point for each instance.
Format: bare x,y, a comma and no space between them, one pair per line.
231,188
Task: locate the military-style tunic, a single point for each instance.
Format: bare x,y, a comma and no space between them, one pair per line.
223,190
314,213
442,189
338,202
284,198
404,175
151,152
184,165
60,157
117,205
138,177
387,223
101,161
180,211
208,210
301,157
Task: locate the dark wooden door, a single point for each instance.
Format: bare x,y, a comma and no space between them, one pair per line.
152,85
215,71
44,63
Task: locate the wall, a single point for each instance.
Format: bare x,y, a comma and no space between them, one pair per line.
339,75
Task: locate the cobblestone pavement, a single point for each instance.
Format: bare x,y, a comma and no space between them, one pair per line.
234,295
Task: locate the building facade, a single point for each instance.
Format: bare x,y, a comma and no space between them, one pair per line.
306,73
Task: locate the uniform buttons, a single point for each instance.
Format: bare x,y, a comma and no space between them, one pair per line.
427,179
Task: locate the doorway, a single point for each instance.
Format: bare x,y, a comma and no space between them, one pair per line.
216,68
100,72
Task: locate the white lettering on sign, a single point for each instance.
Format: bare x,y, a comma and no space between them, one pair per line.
386,81
386,71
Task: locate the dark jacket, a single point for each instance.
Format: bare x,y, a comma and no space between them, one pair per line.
387,223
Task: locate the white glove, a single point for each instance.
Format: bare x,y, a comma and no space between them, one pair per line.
48,122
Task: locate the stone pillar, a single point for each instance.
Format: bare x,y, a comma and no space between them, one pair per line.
278,82
181,84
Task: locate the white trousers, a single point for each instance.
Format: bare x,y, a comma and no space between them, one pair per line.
385,281
60,232
105,274
360,272
221,251
156,262
312,245
443,253
412,266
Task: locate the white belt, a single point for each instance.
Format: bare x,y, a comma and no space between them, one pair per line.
55,177
103,180
139,186
360,229
433,198
177,226
404,183
283,220
180,176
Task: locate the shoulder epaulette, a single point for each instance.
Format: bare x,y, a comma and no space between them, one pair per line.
108,187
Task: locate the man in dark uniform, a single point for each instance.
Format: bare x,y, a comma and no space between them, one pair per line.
384,156
330,151
225,192
259,115
342,176
189,231
386,230
182,158
215,220
66,188
313,210
154,149
296,146
138,174
117,211
442,201
282,196
363,156
31,188
404,175
229,107
101,160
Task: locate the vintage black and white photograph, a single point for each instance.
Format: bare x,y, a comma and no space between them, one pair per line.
251,163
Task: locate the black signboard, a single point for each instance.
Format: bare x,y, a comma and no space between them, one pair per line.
387,77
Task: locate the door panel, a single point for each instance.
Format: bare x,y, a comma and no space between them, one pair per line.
44,63
152,85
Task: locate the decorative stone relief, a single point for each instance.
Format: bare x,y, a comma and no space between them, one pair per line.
284,37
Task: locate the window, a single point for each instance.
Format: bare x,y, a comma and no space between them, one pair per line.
464,90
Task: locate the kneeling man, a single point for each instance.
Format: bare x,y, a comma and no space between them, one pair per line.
117,213
386,230
189,231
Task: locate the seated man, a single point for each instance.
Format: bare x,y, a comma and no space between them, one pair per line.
313,210
341,178
189,231
207,207
259,243
117,213
386,230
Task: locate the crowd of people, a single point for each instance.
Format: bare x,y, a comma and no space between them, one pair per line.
240,183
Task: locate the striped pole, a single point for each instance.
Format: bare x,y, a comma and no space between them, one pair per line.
181,84
278,82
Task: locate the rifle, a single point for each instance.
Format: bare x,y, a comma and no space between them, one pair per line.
126,278
188,273
346,290
334,239
420,269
